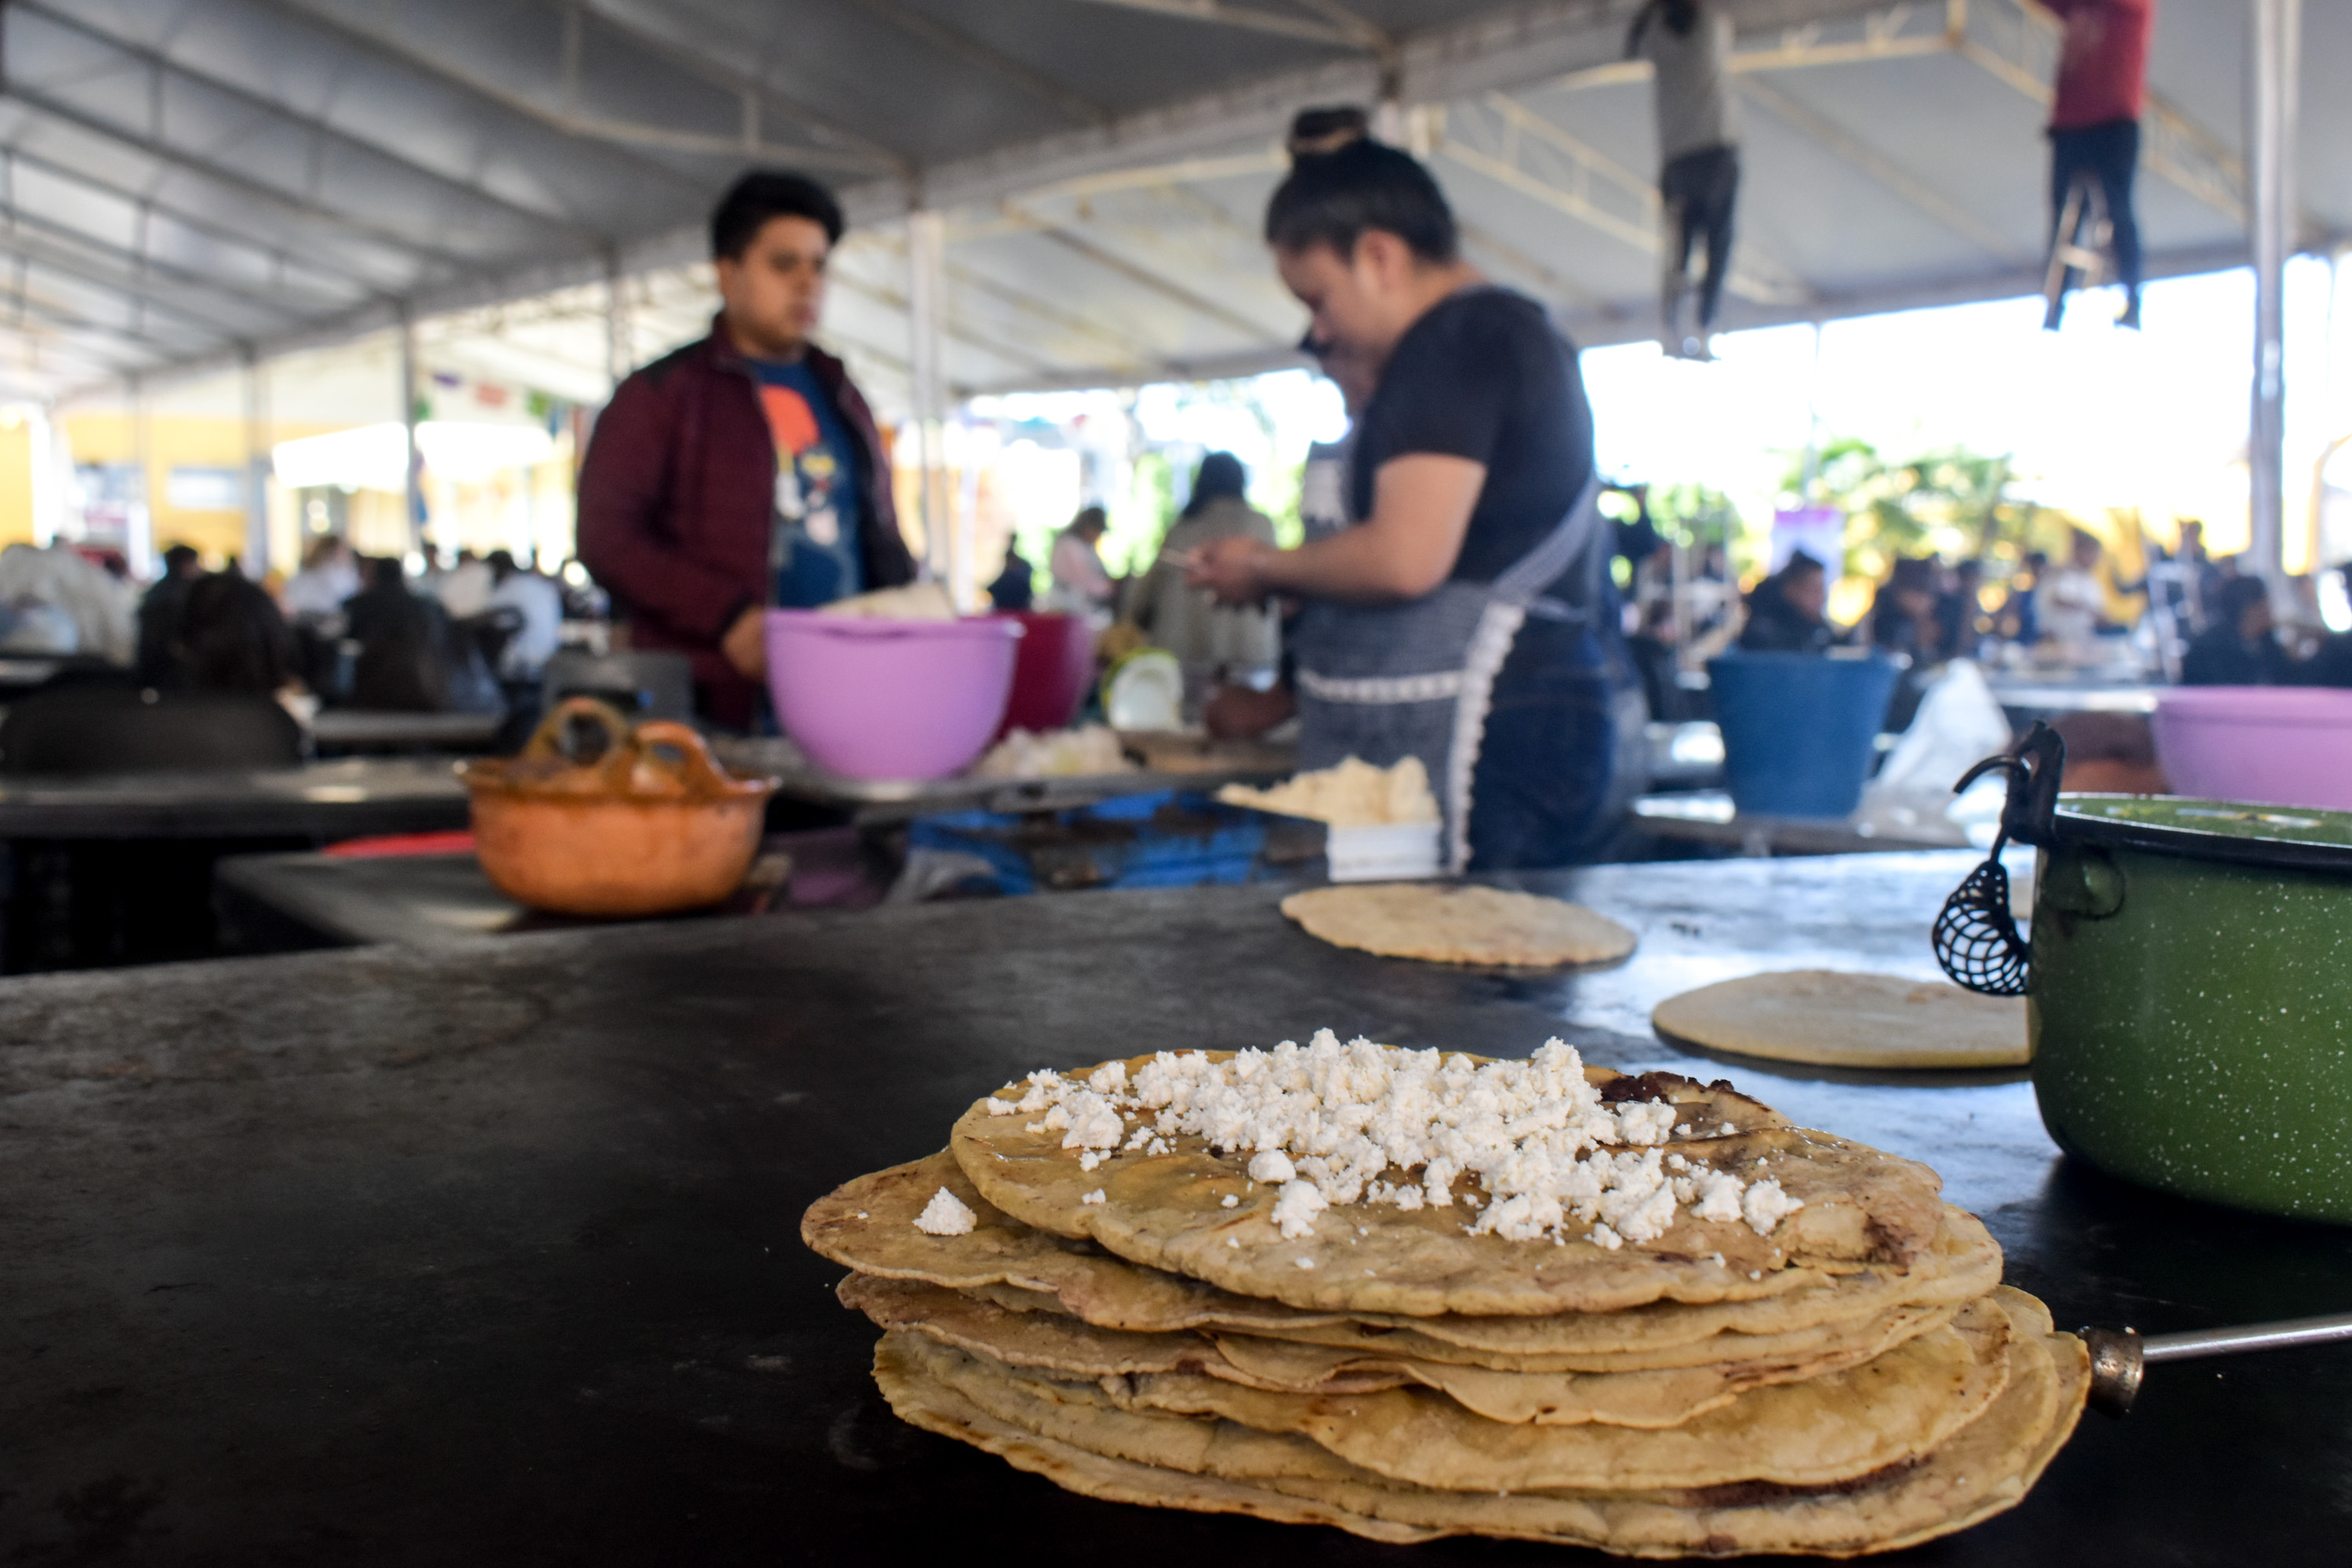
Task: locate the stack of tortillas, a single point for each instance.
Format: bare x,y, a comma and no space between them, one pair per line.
1626,1312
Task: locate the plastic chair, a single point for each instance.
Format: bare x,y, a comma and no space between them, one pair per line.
92,727
642,685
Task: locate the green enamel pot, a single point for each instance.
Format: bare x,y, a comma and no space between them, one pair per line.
2189,995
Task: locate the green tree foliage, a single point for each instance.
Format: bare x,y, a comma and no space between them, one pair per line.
1954,503
1694,514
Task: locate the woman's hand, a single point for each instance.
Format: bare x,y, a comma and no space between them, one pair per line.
1233,569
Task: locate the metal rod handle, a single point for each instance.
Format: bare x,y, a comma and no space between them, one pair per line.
2120,1356
2249,1337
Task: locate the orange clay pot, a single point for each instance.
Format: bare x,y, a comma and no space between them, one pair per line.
651,827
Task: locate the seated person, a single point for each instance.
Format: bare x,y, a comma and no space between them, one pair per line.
1903,616
1653,651
233,638
1960,614
403,664
1016,587
2241,647
1789,611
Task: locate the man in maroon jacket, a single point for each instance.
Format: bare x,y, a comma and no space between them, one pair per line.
744,470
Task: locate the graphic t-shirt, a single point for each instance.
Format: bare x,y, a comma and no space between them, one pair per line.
814,553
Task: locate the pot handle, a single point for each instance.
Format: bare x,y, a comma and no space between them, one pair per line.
1976,938
656,740
546,743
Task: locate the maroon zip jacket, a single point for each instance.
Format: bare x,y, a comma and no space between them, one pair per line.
676,497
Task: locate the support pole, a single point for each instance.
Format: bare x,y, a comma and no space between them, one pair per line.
926,343
256,466
620,340
139,527
2270,140
411,395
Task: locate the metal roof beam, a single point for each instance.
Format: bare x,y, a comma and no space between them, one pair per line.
1250,18
1077,245
154,61
73,239
294,206
21,303
891,299
1077,106
1754,275
1840,142
725,74
276,258
1030,305
392,45
16,243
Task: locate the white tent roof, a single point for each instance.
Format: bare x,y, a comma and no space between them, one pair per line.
189,182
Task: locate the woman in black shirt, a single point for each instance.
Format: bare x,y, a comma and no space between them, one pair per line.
1464,617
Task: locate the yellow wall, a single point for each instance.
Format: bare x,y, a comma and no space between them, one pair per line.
173,440
16,481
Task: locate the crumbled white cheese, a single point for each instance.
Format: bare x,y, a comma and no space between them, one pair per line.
1765,1205
945,1215
1326,1124
1273,1167
1093,1197
1228,1201
1296,1206
1002,1107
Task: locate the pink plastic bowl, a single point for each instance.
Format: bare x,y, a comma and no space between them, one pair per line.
2267,745
889,700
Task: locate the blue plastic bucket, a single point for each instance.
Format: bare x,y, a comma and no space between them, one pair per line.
1798,728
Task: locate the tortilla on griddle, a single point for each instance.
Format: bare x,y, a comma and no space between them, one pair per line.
1462,923
1828,1018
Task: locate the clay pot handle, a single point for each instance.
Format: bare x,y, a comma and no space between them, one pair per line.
546,743
696,769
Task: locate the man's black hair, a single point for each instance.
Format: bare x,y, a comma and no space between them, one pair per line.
1801,562
1332,198
177,557
765,194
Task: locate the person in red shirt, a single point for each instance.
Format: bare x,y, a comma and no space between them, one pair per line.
2094,118
744,470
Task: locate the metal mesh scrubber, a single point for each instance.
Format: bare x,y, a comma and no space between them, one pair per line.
1976,937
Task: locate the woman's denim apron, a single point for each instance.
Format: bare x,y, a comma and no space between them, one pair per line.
1424,679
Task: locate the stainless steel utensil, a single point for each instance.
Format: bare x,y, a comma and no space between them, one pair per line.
2119,1357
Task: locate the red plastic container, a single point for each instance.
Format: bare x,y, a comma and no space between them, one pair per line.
1051,672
